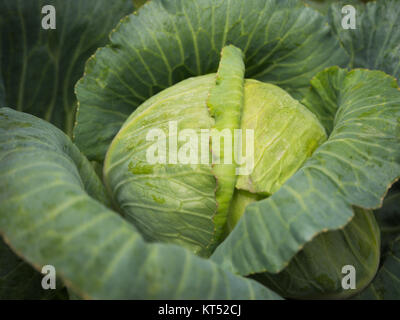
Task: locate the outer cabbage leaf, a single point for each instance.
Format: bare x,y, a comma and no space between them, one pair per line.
386,285
354,167
375,43
40,67
18,280
51,214
284,43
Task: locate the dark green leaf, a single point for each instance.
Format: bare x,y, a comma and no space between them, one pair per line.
375,43
40,67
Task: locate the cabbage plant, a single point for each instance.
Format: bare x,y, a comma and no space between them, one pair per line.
283,193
